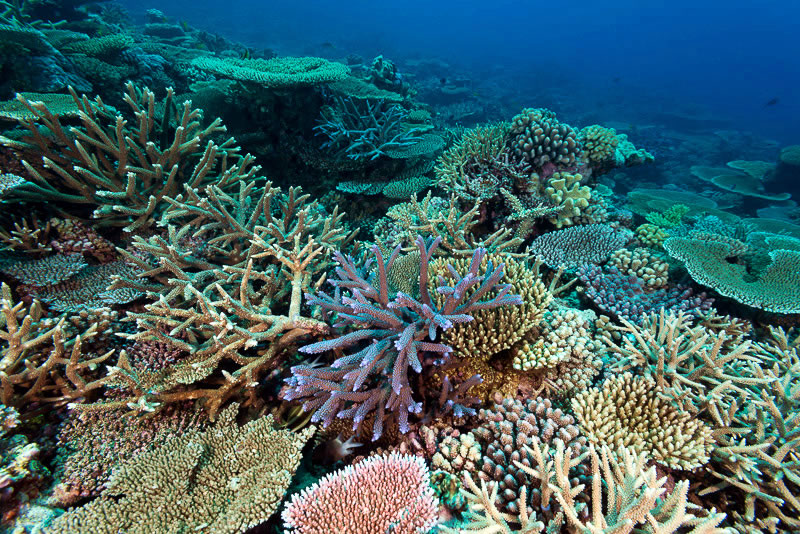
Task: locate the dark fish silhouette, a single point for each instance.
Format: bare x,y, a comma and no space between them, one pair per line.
616,79
771,102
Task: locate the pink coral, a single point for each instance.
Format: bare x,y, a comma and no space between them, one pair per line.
378,495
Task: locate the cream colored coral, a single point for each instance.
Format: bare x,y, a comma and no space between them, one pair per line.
643,264
456,454
565,333
627,411
565,190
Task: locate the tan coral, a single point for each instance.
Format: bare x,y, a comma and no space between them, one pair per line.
627,412
643,264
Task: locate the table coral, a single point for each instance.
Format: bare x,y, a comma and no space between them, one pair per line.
226,479
577,246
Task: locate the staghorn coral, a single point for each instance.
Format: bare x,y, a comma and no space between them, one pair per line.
383,494
225,479
628,412
39,360
773,289
375,379
538,138
124,172
233,304
577,246
691,364
360,129
757,430
633,495
437,218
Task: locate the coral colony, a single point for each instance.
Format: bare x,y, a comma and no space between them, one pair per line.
350,313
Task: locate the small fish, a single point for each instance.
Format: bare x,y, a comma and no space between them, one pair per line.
443,81
247,54
771,102
328,45
185,26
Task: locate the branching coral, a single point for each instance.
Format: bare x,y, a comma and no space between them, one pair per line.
398,331
237,298
38,360
360,129
628,412
125,171
437,218
225,479
382,494
635,499
689,363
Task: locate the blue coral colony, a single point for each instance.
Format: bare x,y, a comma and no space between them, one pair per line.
366,310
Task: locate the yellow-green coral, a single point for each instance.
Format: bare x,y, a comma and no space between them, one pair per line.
651,235
224,480
599,144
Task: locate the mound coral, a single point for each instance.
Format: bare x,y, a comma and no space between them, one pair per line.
538,138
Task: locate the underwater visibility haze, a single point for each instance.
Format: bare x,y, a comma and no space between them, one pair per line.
368,267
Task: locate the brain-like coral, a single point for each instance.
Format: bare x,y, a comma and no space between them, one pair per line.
539,138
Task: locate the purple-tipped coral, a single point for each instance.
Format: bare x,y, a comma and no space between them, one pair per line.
391,333
630,298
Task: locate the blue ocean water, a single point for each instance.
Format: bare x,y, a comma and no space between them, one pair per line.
622,60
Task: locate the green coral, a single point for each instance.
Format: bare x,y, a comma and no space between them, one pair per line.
712,263
276,72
